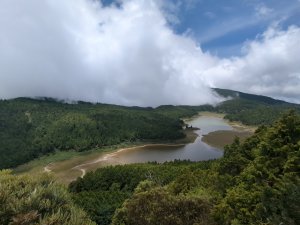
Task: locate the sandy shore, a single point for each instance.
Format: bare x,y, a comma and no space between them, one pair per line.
108,156
219,139
69,170
238,126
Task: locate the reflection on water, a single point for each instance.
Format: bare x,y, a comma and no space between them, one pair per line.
196,151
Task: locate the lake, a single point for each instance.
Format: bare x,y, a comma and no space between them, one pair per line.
68,170
196,151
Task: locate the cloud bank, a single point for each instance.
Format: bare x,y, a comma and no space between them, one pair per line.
77,49
81,50
270,66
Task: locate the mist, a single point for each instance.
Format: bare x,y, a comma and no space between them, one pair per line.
129,54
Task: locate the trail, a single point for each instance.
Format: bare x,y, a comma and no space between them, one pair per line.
83,172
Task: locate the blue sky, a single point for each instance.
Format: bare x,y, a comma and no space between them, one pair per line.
223,26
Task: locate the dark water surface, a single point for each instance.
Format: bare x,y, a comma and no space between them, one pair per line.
196,151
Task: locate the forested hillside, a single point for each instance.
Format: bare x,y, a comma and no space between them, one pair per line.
256,182
30,128
252,109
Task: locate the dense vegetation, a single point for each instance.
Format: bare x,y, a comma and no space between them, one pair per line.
252,109
30,128
102,192
37,200
256,182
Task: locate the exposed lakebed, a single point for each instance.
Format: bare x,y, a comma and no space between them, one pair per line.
196,151
212,127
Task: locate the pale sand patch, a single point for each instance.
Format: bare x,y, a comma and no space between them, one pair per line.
47,168
83,172
108,156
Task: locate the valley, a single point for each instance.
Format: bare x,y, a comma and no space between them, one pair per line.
203,146
149,112
109,161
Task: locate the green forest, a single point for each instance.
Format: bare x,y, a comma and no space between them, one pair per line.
30,128
256,182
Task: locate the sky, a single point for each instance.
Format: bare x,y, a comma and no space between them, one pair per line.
149,52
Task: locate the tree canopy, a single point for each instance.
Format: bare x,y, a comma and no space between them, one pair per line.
256,182
37,200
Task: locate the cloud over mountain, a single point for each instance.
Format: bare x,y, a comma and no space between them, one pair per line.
129,54
78,49
270,66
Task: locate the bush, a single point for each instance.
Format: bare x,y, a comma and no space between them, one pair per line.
38,199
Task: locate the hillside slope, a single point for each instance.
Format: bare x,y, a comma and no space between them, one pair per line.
252,109
30,128
257,98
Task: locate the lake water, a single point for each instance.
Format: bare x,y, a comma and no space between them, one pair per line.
196,151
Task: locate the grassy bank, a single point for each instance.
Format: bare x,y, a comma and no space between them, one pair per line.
220,138
66,165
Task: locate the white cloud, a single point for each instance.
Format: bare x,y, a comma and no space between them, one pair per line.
77,49
262,16
170,9
263,11
270,66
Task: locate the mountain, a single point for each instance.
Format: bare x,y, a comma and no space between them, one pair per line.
30,128
256,98
256,182
252,109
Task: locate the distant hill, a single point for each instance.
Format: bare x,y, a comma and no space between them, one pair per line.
257,98
252,109
30,128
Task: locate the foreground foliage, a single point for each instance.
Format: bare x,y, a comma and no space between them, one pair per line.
26,200
266,181
101,192
256,182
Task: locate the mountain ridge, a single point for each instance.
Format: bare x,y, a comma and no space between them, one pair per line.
261,98
31,128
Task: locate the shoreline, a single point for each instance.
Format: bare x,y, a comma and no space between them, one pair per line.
76,165
237,125
239,130
108,155
225,137
68,170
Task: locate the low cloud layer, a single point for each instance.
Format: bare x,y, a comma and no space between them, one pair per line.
79,50
269,67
